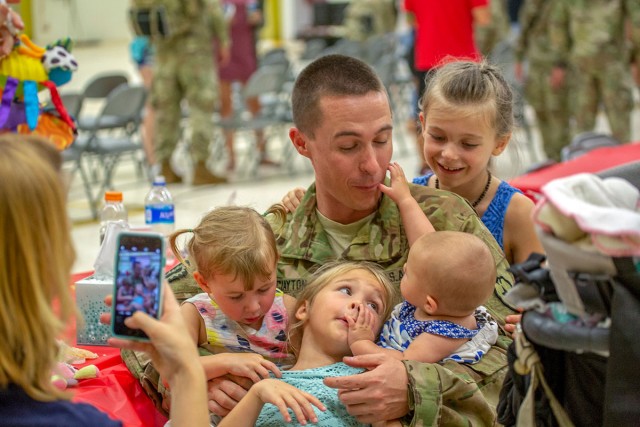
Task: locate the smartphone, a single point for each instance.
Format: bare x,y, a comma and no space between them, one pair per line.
139,269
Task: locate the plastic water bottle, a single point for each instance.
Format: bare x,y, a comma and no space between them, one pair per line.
113,210
159,208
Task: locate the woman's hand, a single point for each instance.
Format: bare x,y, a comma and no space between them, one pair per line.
511,321
170,349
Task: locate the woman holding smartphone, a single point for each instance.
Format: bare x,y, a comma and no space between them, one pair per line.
36,255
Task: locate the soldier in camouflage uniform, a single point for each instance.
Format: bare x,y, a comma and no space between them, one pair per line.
349,153
184,69
550,103
593,32
366,18
489,36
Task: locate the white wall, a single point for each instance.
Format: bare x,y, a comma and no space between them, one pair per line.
82,20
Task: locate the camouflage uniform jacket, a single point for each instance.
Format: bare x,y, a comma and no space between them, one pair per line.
192,25
449,394
594,30
367,18
534,38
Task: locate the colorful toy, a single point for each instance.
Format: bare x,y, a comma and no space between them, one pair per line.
65,375
25,70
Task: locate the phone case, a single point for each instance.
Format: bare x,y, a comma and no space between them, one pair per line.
138,277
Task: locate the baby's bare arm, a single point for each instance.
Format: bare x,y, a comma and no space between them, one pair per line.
429,348
414,220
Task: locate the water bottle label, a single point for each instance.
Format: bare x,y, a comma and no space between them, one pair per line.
159,214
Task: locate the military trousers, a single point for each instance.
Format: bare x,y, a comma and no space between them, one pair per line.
551,106
188,76
609,86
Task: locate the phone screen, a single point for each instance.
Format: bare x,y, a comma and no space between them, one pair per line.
138,280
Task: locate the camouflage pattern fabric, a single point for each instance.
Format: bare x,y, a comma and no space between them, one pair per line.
444,393
448,394
550,105
366,18
184,69
304,245
487,37
593,32
453,394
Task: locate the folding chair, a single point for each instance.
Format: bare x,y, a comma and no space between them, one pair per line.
106,144
312,49
72,102
267,83
73,155
97,90
585,142
396,77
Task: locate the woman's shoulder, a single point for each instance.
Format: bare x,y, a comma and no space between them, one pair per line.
21,410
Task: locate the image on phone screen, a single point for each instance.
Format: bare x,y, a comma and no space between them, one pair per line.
139,270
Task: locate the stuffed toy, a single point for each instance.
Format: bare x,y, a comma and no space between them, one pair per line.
65,374
25,70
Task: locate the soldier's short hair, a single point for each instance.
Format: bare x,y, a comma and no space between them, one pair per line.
330,75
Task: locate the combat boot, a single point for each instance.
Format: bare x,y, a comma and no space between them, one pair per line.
202,176
170,176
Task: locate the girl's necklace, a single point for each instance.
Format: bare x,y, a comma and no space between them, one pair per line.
484,192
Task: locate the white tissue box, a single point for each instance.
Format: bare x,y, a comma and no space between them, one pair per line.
90,294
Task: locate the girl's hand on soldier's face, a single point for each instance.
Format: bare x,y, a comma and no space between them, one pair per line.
284,396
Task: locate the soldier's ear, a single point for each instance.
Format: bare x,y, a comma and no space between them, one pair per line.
299,141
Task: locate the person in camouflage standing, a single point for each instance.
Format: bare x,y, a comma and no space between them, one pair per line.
366,18
185,70
550,102
593,32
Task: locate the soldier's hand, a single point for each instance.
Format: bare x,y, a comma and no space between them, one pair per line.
224,394
379,394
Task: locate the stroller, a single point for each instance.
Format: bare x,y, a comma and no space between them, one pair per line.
576,357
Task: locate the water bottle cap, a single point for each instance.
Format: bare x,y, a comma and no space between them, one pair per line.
159,180
113,196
